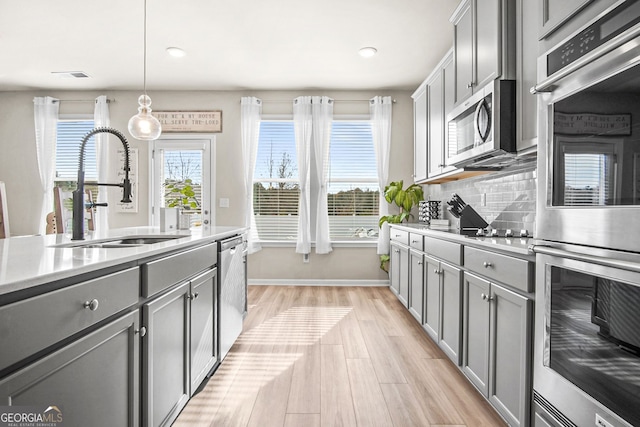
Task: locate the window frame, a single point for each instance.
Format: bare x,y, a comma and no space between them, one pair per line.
314,188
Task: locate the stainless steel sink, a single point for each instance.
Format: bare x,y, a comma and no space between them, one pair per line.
120,242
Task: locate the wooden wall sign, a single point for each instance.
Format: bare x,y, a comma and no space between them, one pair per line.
190,121
592,124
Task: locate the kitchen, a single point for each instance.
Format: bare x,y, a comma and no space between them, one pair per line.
508,196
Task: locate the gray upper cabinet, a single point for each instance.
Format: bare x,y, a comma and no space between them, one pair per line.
554,13
93,380
526,75
420,129
483,49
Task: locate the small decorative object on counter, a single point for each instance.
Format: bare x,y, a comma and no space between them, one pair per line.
168,219
428,210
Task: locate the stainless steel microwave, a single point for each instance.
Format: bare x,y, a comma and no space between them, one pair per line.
481,131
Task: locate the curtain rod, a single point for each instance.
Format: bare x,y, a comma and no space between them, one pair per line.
335,100
109,100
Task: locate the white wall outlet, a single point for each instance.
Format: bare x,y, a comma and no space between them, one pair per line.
224,202
305,258
601,422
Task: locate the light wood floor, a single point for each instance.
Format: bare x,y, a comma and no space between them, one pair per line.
335,356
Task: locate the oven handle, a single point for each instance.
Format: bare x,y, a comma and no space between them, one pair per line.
608,262
547,85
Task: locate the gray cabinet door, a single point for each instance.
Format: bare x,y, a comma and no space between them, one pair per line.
463,51
394,268
432,297
166,356
403,282
94,381
420,118
555,12
526,75
416,281
487,41
475,330
204,316
510,358
451,310
449,89
436,125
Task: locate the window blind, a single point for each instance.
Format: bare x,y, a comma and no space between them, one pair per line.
70,134
276,187
587,179
353,189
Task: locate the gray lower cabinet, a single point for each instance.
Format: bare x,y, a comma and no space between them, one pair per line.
497,346
416,284
442,306
93,381
166,357
400,272
203,333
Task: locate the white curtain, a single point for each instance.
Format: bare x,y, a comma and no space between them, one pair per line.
380,111
302,123
101,119
250,111
322,112
46,127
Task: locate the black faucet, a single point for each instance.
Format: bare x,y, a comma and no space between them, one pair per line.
78,194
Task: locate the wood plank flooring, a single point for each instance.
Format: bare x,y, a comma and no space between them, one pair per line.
335,356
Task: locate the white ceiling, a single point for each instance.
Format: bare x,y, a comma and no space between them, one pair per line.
230,44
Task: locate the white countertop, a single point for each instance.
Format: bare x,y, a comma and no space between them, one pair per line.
31,260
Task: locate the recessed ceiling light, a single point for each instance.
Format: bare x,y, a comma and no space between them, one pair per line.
367,52
176,52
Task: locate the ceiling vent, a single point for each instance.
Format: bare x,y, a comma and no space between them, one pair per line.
70,74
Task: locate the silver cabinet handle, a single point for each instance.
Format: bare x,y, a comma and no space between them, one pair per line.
396,250
142,331
196,295
469,85
206,221
193,296
419,262
91,305
487,264
414,241
486,297
436,271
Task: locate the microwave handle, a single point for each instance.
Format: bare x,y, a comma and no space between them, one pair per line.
482,105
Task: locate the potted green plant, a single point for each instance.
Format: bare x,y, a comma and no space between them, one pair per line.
181,195
405,199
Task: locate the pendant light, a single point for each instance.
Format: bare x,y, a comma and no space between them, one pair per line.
143,125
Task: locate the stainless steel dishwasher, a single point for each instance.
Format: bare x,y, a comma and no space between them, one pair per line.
232,276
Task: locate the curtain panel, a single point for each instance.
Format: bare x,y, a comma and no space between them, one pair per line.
302,124
380,112
250,115
101,119
322,117
45,113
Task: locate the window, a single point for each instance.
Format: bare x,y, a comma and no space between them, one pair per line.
70,133
352,184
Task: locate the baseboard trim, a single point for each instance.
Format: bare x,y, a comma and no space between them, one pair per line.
316,282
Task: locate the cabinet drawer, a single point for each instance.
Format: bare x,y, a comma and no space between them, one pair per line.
163,273
511,271
34,324
444,250
416,241
400,236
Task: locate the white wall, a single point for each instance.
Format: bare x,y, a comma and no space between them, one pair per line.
18,165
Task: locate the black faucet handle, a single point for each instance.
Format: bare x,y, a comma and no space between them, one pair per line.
126,191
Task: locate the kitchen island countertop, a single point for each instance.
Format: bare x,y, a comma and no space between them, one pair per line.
30,261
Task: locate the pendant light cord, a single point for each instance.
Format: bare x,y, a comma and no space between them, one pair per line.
144,55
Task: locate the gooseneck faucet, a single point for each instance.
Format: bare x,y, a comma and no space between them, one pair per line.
78,194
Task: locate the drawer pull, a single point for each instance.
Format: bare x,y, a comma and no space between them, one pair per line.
487,298
487,264
142,331
396,251
414,241
193,296
419,262
436,271
91,305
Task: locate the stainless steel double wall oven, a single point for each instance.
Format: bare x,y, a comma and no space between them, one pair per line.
587,353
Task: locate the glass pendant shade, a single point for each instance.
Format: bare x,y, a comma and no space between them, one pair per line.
143,125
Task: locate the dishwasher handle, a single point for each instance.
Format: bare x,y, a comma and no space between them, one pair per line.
230,243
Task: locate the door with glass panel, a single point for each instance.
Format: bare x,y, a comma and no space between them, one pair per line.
181,177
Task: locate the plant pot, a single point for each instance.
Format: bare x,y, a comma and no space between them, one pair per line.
184,221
